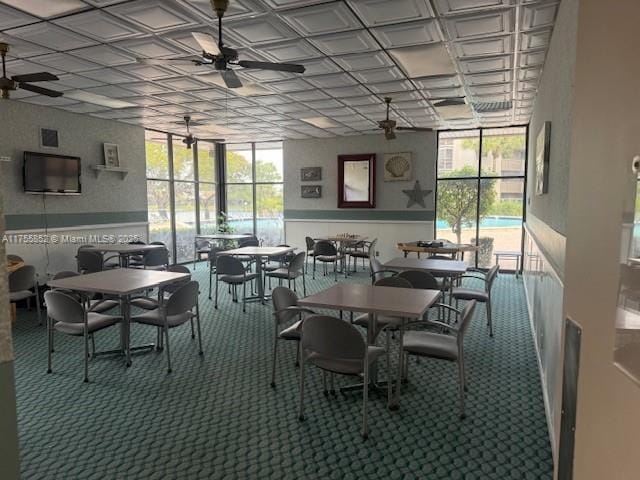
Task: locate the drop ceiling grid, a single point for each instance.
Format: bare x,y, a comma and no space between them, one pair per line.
99,41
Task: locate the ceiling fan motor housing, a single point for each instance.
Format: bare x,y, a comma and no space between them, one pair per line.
220,6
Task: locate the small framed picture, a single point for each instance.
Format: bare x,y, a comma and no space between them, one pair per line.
111,155
311,191
311,174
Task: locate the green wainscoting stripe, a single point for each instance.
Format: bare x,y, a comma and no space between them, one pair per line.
62,220
365,214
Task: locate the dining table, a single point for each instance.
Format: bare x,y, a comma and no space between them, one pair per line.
259,253
122,283
124,251
456,250
404,303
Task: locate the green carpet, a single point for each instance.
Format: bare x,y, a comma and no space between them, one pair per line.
216,417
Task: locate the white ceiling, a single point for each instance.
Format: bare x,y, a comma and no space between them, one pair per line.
356,52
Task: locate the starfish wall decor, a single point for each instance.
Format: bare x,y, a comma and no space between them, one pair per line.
416,195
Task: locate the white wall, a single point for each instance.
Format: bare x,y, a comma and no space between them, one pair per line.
391,221
108,204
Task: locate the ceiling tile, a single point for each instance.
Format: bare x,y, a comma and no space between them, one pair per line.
321,19
535,39
111,91
343,43
438,82
531,59
290,51
49,101
175,97
454,7
323,104
285,4
407,34
357,101
103,55
500,62
109,75
18,48
272,100
538,15
103,3
444,93
210,94
343,92
145,88
20,67
484,46
503,76
183,84
528,73
379,75
391,87
286,86
308,96
364,61
11,18
424,60
382,12
155,16
146,72
319,66
47,8
51,36
66,63
257,30
474,26
334,80
149,47
78,81
289,108
83,108
99,25
145,101
237,8
491,89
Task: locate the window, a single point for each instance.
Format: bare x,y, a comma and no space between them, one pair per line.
254,190
181,192
480,191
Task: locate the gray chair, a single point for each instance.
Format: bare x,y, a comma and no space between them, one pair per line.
65,314
14,258
420,279
136,260
366,251
213,258
231,271
178,310
23,285
89,261
286,309
201,247
150,303
156,259
309,242
95,305
384,321
293,271
378,271
326,252
443,346
336,346
482,296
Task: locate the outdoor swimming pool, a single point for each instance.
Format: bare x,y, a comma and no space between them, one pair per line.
489,222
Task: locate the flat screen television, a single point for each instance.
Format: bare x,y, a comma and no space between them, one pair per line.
51,174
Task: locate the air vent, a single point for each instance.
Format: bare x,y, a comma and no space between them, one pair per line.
49,138
489,107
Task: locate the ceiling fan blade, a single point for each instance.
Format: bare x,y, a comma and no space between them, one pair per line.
230,78
207,43
40,90
280,67
449,102
415,129
35,77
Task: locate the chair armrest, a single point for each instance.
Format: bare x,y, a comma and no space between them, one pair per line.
294,309
473,276
448,307
432,323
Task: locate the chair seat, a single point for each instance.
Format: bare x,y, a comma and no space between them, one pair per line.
95,322
154,317
470,294
358,253
145,303
431,345
345,366
100,306
20,295
293,332
203,250
284,273
382,321
271,267
237,279
329,258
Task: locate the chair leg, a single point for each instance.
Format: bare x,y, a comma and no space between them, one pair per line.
297,364
86,356
332,387
273,361
166,337
389,382
461,387
210,281
49,343
304,286
93,346
301,399
215,305
193,333
38,305
244,297
314,268
199,330
325,392
489,320
365,400
335,270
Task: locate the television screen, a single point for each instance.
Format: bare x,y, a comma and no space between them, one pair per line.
52,174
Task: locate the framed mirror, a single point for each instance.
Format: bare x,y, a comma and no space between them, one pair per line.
357,181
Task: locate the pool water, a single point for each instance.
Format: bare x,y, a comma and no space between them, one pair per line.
489,222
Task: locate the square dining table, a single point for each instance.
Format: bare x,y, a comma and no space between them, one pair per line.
124,251
259,253
121,283
406,303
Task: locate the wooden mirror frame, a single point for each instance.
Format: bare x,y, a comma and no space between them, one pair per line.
367,157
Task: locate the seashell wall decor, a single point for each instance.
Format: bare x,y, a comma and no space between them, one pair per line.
398,167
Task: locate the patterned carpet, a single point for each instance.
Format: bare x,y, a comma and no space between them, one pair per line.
216,417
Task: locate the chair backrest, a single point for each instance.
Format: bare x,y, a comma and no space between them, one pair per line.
158,243
395,282
23,278
283,297
137,242
228,265
372,248
86,245
173,286
62,307
202,243
178,269
324,248
491,276
332,338
89,261
65,274
465,320
14,258
440,257
183,299
249,242
420,279
377,269
156,257
297,264
213,254
310,242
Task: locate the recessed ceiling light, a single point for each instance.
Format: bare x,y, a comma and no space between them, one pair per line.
96,99
424,60
320,122
46,8
453,112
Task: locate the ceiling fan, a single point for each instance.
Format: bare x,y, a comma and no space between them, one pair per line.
221,56
9,84
189,139
389,125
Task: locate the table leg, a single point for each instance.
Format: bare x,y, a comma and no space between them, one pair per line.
260,280
395,404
